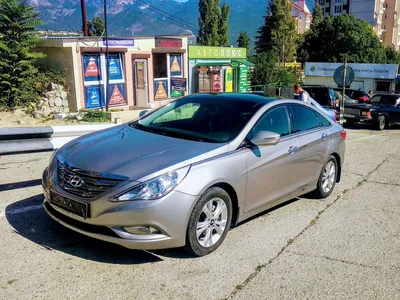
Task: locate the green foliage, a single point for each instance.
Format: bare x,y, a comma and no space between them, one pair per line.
278,30
213,23
96,27
267,70
317,17
95,116
392,56
18,36
244,42
223,28
343,36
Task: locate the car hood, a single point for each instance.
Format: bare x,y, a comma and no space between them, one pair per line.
132,153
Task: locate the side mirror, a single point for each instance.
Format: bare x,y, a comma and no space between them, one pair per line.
265,138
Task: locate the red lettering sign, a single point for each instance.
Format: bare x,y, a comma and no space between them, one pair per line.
116,96
168,43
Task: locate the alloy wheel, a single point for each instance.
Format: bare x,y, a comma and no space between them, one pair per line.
329,176
212,222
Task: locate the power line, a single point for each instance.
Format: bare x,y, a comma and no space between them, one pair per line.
167,15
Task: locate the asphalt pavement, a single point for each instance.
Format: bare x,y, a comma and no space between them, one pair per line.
344,247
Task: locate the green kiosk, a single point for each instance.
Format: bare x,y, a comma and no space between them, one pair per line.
218,69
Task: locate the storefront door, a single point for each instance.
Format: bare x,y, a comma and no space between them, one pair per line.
141,84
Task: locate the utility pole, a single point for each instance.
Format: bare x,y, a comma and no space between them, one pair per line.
283,52
84,21
341,115
107,64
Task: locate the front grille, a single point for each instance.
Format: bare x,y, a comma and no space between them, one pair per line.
351,111
90,185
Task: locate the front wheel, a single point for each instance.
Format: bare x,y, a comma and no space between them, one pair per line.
380,123
327,179
209,222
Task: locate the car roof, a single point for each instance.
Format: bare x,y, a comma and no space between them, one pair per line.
254,98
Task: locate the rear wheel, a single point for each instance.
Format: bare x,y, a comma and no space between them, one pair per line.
209,222
327,179
381,123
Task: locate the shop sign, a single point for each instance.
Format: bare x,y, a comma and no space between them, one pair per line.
175,62
91,66
243,79
176,94
178,83
117,42
168,43
216,52
94,96
384,71
117,95
160,89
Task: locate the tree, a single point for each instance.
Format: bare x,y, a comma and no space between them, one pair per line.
244,42
223,28
278,31
344,36
18,36
317,17
392,56
96,27
213,23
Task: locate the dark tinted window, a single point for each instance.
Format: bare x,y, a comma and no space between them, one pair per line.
323,120
275,120
201,118
304,118
389,100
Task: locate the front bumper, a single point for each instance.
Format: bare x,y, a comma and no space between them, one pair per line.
169,215
358,118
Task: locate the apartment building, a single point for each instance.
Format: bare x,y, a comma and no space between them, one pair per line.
382,15
302,16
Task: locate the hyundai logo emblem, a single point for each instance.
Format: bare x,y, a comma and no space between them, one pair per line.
76,181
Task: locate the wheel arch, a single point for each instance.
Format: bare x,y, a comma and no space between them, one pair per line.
339,163
234,198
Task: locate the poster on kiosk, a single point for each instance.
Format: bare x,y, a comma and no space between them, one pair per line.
91,66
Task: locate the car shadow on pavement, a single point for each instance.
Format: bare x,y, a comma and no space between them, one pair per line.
29,220
19,185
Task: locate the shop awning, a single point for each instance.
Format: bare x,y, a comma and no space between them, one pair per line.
244,62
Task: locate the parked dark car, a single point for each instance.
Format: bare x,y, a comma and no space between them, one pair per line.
325,96
358,95
382,111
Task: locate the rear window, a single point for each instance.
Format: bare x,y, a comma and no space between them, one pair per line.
304,118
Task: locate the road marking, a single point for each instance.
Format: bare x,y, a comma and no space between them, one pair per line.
20,210
363,138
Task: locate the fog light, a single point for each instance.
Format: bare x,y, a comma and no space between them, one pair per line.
142,230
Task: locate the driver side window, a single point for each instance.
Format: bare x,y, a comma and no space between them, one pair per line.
275,120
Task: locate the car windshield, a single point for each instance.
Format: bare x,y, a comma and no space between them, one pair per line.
201,118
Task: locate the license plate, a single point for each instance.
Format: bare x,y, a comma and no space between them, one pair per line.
72,206
348,116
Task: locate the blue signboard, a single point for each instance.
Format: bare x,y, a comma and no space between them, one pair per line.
160,89
175,64
115,67
92,67
94,96
178,83
118,42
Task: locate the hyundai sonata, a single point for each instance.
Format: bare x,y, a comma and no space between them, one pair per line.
185,173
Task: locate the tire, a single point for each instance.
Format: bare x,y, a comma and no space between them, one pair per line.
200,246
381,123
322,190
350,122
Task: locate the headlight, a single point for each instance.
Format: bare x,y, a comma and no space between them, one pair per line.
155,188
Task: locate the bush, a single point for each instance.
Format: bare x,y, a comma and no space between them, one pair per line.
95,116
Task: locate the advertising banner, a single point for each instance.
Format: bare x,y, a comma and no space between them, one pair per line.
115,67
91,68
94,96
382,71
175,62
243,79
117,94
229,80
178,83
160,89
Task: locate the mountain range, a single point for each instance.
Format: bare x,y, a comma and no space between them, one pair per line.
150,17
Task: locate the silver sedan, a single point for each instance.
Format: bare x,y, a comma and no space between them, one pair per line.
187,172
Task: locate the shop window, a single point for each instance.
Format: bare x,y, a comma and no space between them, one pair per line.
383,86
210,79
160,68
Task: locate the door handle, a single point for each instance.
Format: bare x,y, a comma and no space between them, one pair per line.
324,136
292,149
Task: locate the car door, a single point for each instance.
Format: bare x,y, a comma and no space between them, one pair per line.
270,173
314,139
389,108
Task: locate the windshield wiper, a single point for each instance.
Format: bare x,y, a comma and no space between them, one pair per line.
140,127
